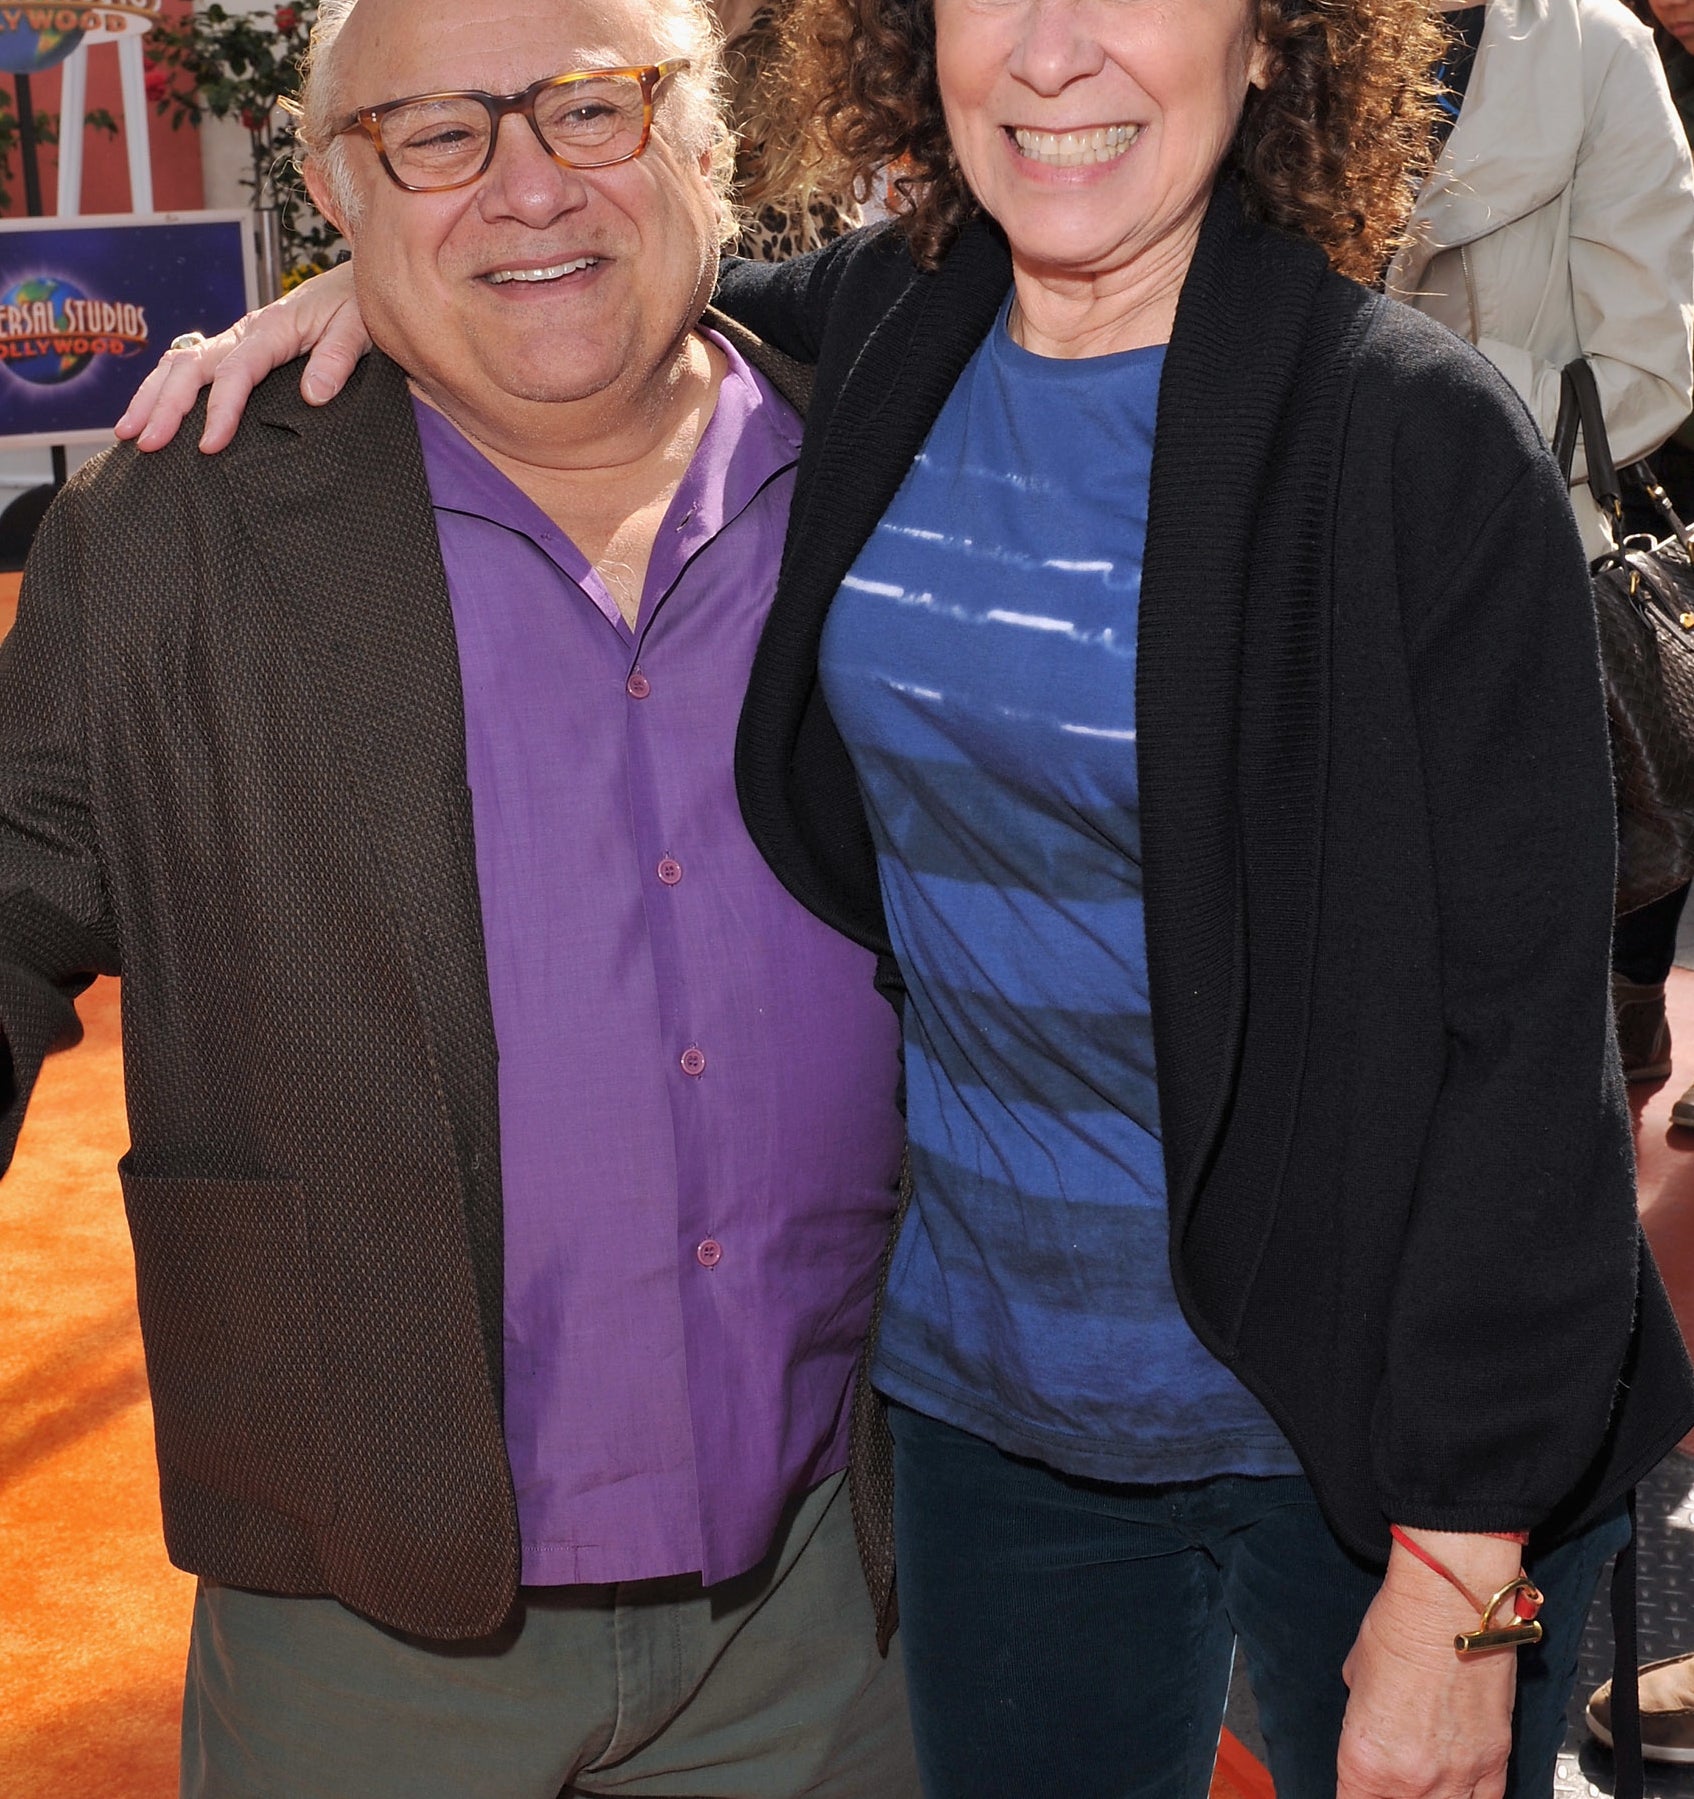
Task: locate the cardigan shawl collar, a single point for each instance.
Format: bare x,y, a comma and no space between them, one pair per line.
1231,764
1232,726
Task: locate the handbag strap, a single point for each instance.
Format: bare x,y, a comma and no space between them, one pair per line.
1579,405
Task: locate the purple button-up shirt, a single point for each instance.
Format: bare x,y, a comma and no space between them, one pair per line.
698,1133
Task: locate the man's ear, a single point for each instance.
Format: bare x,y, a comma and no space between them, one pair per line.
322,190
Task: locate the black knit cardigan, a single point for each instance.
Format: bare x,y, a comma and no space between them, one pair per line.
1377,837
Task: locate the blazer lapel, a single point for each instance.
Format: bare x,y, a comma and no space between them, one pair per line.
793,380
1229,374
337,505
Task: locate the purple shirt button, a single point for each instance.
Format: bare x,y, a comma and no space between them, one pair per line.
693,1061
710,1253
670,871
638,686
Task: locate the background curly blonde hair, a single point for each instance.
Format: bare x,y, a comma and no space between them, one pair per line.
1332,150
778,162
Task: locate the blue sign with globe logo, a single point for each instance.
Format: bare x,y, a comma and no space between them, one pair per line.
30,46
86,304
54,362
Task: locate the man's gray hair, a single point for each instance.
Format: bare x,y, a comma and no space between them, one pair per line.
691,110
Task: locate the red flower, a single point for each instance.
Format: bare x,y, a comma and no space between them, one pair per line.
158,83
287,17
254,121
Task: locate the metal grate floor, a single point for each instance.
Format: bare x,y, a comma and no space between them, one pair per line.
1665,1621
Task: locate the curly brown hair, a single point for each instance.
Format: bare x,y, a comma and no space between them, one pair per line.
1332,150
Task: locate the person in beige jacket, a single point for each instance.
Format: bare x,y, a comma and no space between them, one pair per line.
1558,221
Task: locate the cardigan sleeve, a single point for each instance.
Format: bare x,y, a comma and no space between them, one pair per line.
56,926
788,303
1514,1300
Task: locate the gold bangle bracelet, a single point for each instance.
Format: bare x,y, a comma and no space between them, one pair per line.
1519,1634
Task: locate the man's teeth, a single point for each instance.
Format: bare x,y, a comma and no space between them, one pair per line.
1072,149
557,273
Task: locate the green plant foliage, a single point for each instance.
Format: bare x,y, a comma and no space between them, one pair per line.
244,66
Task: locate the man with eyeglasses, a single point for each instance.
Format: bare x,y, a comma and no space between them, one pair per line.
511,1154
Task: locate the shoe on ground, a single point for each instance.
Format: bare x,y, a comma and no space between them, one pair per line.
1683,1111
1643,1030
1667,1710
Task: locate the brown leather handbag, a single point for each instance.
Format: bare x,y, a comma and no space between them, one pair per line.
1644,599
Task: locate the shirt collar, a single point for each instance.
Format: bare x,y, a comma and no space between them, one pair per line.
752,436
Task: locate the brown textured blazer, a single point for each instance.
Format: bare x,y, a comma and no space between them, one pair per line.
232,769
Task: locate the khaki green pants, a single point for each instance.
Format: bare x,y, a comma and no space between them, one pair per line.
768,1686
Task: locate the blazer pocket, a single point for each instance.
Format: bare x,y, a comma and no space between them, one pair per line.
228,1316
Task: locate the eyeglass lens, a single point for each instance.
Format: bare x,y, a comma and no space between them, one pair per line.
437,143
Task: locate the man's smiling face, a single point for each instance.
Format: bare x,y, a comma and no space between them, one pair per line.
539,283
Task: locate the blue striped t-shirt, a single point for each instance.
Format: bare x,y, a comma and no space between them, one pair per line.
980,663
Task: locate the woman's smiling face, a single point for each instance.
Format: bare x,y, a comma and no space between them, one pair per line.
1093,130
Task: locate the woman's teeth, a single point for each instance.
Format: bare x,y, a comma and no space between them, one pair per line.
1072,149
554,274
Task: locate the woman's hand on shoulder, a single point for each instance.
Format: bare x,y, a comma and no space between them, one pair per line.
1423,1722
320,315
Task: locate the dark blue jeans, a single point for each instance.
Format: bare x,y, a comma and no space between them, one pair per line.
1070,1637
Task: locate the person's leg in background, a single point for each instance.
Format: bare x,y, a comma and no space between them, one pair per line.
1643,952
1644,941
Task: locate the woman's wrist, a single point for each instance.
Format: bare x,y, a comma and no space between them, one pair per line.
1468,1552
1427,1603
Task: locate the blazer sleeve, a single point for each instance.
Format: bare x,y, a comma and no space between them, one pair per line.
1514,1300
56,924
1631,250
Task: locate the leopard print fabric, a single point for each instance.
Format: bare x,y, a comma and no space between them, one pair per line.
774,233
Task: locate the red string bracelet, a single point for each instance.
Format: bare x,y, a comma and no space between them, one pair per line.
1526,1601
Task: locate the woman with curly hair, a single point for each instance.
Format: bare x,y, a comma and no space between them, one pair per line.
1183,673
786,202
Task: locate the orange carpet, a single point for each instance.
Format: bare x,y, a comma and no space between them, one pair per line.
1238,1775
93,1618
